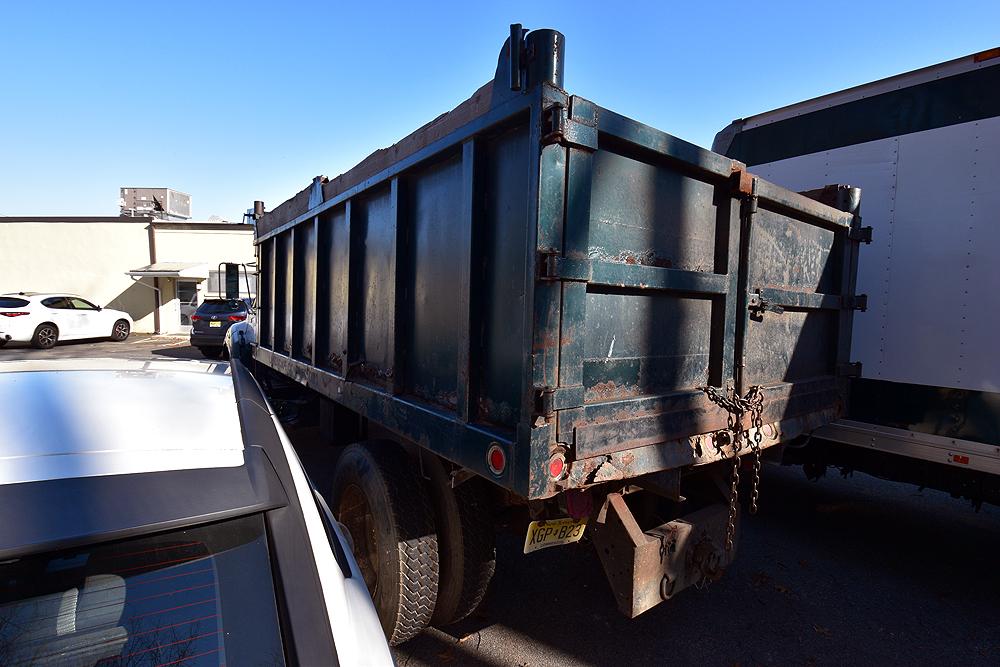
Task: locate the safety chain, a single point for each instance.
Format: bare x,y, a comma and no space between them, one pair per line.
737,406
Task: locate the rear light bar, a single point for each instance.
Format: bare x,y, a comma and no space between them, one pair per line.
15,314
237,318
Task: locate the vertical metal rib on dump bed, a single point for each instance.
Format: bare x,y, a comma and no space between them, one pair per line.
553,277
674,264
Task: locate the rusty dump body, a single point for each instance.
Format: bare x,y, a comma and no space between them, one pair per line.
536,272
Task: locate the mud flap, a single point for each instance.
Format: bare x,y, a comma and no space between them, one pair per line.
645,568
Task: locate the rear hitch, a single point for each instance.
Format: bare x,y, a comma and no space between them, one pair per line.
645,568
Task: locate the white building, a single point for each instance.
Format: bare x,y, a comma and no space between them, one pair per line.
156,270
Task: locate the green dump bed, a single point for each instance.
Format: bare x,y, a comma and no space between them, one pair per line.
537,274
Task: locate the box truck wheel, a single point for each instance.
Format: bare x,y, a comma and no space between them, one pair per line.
379,496
466,540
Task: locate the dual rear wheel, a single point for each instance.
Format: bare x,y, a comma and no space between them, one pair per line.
426,551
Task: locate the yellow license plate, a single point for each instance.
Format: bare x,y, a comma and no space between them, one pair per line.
215,324
542,534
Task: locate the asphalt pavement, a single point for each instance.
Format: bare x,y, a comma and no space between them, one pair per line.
835,572
841,571
137,346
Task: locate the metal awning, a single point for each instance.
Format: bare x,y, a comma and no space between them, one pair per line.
171,270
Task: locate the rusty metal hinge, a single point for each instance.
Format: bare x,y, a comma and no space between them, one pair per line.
545,401
553,266
856,302
548,264
554,120
550,399
851,369
858,233
559,127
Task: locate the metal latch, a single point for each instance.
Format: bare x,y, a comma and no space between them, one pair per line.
758,305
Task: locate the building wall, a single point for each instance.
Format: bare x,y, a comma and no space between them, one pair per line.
181,243
209,246
92,259
86,258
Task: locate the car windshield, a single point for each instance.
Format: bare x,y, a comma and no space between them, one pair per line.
10,302
221,306
177,598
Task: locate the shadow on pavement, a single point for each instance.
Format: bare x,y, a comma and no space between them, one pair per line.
14,345
842,571
180,352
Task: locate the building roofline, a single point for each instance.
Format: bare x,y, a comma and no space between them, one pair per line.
75,218
187,224
149,187
156,222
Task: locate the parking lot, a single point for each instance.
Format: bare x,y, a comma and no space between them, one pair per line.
853,570
844,570
137,346
841,571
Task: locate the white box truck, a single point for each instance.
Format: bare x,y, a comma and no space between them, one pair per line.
924,147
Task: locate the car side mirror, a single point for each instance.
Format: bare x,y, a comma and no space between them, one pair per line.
100,308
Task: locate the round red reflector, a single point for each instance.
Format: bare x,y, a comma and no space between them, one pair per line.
556,465
497,459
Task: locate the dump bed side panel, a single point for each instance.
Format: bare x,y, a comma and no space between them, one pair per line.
405,297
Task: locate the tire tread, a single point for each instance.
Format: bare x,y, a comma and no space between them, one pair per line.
412,519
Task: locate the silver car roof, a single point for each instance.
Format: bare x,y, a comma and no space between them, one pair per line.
92,417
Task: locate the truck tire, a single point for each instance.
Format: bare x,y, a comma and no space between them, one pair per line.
379,496
467,543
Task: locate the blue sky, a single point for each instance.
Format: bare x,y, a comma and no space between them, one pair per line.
233,102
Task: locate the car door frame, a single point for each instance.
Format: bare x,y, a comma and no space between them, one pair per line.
91,319
65,318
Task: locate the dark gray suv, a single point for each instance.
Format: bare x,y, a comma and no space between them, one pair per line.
212,320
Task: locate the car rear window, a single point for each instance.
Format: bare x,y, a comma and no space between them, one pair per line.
8,302
227,306
201,596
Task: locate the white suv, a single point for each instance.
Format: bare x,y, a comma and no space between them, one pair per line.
44,319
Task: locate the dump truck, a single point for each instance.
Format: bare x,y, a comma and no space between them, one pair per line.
924,146
535,312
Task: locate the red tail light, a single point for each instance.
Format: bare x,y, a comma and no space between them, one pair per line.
15,314
195,318
496,459
237,318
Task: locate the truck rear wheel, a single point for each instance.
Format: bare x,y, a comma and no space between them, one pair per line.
381,499
467,544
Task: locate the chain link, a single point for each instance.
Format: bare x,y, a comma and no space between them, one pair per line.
734,495
755,398
737,406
